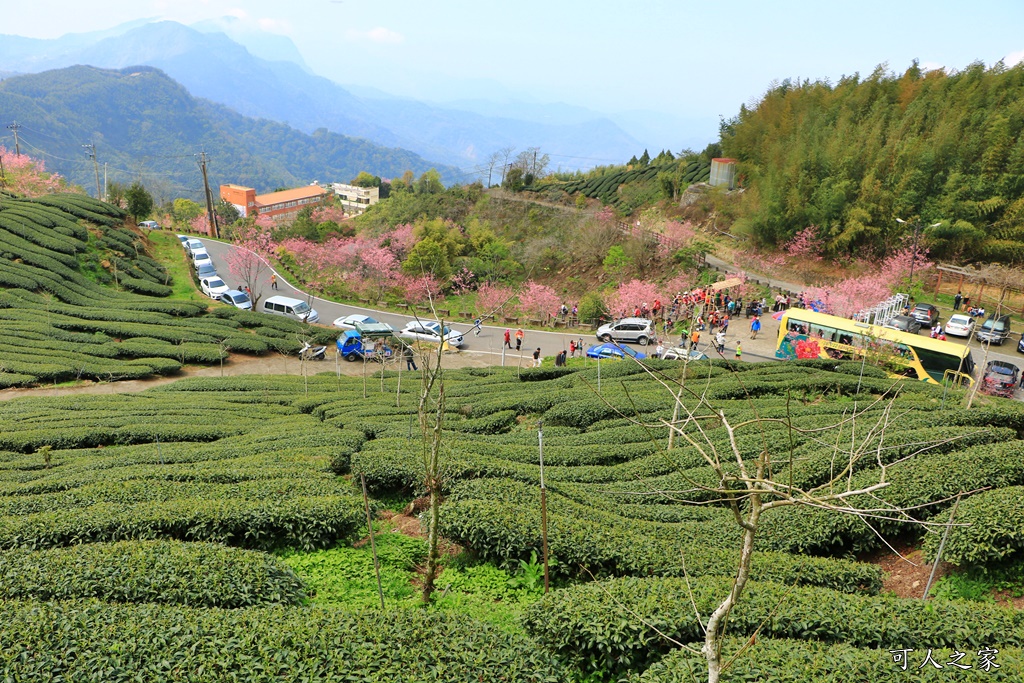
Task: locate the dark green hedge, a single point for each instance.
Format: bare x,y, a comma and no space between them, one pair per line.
591,623
988,528
94,642
798,661
166,572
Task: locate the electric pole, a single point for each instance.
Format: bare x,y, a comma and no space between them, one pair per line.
211,217
91,151
16,127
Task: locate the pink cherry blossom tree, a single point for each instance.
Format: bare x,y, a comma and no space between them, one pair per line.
321,214
248,261
805,244
631,295
537,300
492,298
26,176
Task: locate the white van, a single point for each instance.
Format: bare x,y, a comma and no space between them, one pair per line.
292,308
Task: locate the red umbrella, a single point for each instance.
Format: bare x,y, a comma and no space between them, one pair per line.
778,315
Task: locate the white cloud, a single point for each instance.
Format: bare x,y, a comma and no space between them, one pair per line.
377,35
275,25
237,13
931,66
1014,58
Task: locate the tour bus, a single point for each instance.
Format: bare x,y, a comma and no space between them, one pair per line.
806,334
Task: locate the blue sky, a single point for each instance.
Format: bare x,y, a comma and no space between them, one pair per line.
687,60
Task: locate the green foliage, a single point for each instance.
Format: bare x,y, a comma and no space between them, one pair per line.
992,531
594,623
796,661
95,641
853,156
139,201
166,572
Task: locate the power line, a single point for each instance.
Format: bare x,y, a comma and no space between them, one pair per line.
15,127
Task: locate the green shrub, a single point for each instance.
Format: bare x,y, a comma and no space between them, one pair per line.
595,623
989,528
797,661
167,572
98,642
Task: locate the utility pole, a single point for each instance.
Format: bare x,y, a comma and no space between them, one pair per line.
211,217
16,127
91,151
105,195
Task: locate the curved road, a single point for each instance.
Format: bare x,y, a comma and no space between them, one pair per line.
491,339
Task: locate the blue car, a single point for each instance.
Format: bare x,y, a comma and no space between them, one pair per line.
613,350
350,346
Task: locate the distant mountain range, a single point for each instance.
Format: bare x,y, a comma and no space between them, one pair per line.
278,85
145,125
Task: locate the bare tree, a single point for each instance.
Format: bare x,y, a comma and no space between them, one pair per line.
505,153
752,486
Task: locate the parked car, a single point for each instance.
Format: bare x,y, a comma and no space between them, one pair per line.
431,331
1020,344
192,244
637,330
926,314
200,257
613,350
679,353
995,330
149,225
206,270
296,309
367,326
213,287
904,323
960,325
1000,378
236,298
184,240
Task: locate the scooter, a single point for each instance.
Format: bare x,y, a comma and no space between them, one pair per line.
310,352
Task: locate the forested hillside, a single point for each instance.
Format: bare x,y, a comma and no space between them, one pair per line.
146,126
852,157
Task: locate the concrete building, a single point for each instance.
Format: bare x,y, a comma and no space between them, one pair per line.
355,199
275,204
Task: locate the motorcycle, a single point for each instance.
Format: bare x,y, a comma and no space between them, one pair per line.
310,352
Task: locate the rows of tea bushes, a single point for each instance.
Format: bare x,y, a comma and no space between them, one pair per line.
799,661
131,499
80,299
97,642
590,622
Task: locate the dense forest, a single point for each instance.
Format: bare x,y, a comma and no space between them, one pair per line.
850,158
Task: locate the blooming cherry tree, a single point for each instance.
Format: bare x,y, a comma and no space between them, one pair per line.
538,300
632,294
26,176
248,261
491,298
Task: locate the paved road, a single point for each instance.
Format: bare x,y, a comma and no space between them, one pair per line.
490,340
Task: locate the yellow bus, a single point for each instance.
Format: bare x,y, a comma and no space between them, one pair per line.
806,334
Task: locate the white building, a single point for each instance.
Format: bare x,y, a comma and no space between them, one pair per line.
355,199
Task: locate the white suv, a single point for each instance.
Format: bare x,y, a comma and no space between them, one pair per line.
637,330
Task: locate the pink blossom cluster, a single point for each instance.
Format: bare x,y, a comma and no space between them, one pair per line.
335,214
491,299
537,300
854,294
26,176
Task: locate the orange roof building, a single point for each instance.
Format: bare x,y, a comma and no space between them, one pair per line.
273,204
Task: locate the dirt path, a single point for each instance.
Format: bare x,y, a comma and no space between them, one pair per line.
239,364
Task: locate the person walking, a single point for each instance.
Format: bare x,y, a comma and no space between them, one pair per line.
508,338
755,327
273,280
520,336
739,351
476,327
536,358
694,339
957,300
572,348
720,341
410,360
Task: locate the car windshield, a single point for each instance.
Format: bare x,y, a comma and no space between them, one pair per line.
629,351
216,283
364,320
959,320
240,298
1001,370
302,307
